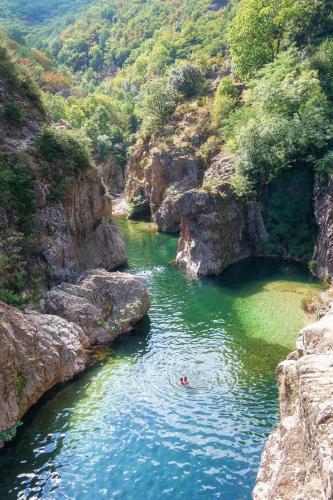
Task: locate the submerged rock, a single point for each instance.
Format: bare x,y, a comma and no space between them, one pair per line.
297,461
40,350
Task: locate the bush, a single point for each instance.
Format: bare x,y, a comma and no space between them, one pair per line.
187,79
16,192
13,113
226,99
157,105
71,149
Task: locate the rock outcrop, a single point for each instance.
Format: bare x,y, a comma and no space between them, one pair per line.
37,351
213,231
323,207
217,228
40,350
112,175
160,171
103,304
78,233
297,461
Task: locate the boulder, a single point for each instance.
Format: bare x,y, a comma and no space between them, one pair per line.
104,304
213,231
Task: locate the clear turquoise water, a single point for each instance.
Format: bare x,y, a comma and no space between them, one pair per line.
127,429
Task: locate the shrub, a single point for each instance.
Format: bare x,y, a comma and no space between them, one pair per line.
71,149
226,99
13,113
9,434
16,193
187,79
157,105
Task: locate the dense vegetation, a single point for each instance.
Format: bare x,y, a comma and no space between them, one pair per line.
120,68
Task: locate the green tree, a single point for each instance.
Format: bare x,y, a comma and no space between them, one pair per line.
289,126
261,28
187,79
226,99
157,102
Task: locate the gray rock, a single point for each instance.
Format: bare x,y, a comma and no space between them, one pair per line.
297,461
104,304
78,233
323,207
213,232
37,351
41,350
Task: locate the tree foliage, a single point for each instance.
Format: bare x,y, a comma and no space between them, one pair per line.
262,28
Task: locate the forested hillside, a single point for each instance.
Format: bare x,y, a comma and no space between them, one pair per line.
260,69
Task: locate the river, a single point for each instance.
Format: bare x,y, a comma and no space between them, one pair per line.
127,429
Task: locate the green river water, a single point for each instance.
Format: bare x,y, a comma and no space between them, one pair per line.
127,429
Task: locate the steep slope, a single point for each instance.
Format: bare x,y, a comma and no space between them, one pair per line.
56,216
297,459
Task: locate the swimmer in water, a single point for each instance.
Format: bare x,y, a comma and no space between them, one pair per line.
184,380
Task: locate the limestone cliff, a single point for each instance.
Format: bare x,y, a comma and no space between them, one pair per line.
297,461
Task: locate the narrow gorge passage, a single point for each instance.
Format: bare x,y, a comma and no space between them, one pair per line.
127,429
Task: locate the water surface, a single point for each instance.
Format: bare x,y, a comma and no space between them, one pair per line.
127,429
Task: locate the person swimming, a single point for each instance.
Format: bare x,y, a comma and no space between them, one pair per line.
184,380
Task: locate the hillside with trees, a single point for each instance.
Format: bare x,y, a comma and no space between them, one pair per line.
118,71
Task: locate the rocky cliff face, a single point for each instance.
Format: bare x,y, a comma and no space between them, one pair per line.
40,350
217,229
323,206
160,171
297,461
213,232
77,233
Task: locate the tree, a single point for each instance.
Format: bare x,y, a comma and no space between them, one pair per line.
261,28
187,79
158,102
226,99
290,126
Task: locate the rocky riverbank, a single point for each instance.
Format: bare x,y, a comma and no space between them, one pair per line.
297,461
42,348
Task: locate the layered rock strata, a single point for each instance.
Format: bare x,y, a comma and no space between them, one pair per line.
297,461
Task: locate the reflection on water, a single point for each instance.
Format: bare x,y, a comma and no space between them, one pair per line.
128,429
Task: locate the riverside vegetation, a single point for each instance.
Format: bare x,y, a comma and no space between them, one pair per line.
214,118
